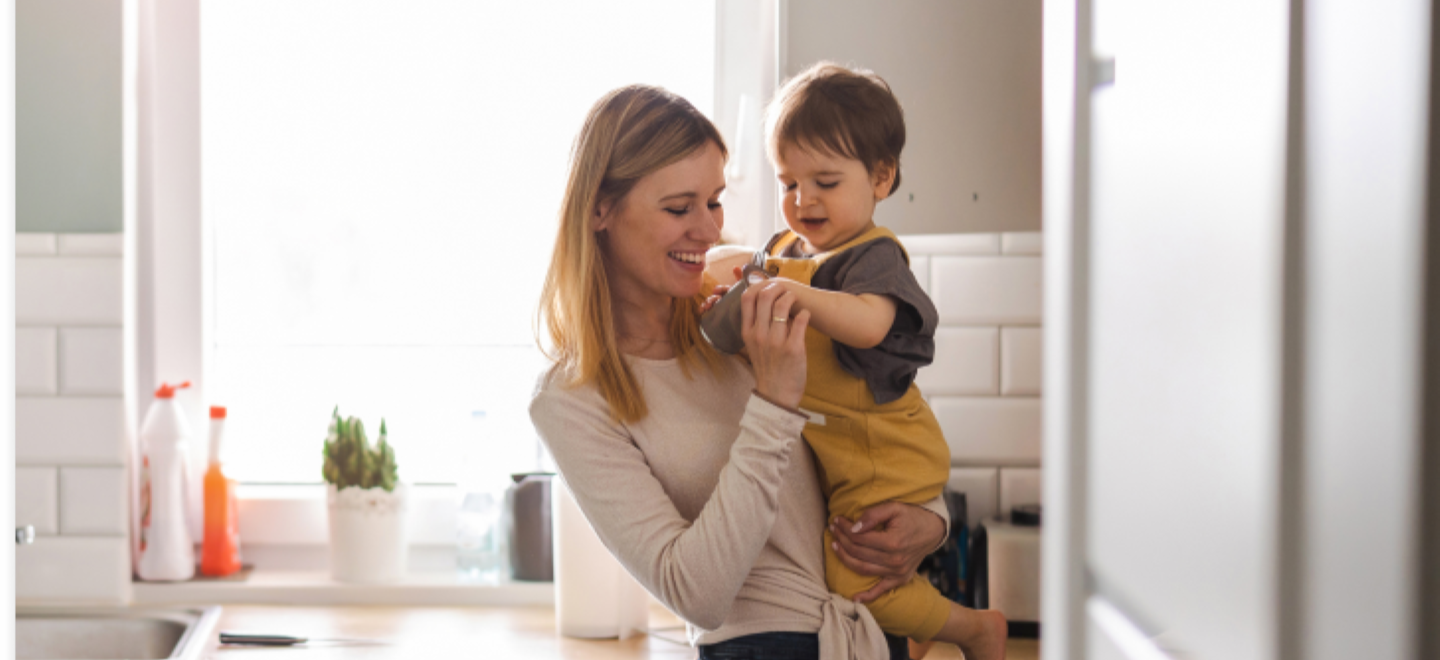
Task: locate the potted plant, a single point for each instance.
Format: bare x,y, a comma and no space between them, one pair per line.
366,502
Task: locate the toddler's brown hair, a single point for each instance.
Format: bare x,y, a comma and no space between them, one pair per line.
841,111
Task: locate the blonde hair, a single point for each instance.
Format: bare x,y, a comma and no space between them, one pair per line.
629,133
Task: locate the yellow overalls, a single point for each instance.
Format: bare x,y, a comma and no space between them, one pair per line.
868,453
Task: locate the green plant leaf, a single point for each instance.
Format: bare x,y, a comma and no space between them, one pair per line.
350,460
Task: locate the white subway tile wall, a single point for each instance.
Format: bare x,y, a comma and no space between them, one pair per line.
1019,486
951,244
990,431
73,568
1020,355
34,245
1030,242
36,499
94,245
984,385
36,369
967,362
91,361
977,290
68,291
69,430
92,501
71,478
920,265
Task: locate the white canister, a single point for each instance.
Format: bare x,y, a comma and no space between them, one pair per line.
595,598
367,534
1014,570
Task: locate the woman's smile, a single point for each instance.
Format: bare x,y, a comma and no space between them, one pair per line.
689,260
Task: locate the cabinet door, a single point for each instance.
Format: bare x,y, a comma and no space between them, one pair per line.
68,116
968,76
1187,209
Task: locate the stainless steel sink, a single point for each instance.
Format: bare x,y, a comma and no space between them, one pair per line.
131,633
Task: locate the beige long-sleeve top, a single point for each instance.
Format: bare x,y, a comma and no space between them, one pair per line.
712,502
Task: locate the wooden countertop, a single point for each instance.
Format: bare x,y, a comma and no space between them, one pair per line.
479,632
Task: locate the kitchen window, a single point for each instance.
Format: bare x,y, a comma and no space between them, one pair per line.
380,183
353,204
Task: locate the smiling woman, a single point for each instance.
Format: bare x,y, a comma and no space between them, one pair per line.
379,185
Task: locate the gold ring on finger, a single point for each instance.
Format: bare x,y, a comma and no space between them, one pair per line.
779,319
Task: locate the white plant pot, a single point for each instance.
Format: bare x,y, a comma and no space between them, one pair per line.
367,534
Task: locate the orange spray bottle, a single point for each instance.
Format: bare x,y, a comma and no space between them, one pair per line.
220,551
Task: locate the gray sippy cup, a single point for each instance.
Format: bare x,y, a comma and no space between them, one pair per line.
721,324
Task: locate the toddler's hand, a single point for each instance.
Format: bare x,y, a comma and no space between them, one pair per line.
722,289
715,296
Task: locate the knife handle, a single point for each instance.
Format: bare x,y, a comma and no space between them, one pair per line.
260,640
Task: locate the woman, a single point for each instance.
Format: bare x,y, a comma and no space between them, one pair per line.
689,464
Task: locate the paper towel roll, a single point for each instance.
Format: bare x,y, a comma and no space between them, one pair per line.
595,598
1014,570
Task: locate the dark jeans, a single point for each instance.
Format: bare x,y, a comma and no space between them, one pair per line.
784,646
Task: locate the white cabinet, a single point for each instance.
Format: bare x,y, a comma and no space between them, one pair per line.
1187,212
967,74
68,115
1235,287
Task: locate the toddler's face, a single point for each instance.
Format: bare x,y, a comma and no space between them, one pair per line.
828,199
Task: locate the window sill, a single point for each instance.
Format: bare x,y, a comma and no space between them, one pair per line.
317,588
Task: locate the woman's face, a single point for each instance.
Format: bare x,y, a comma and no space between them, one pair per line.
656,237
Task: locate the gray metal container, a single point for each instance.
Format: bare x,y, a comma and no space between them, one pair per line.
721,324
527,507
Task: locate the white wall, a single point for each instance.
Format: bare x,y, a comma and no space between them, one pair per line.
745,73
968,77
71,474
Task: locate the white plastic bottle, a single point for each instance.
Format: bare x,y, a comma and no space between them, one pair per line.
166,551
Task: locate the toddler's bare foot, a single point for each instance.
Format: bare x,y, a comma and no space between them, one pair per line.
919,649
987,638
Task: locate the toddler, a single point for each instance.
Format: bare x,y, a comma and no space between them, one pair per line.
835,137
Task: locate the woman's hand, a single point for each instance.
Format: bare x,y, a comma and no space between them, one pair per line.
774,342
889,541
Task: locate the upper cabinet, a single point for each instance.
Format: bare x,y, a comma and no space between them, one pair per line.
69,174
967,73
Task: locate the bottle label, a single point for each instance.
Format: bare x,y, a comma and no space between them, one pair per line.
232,524
144,503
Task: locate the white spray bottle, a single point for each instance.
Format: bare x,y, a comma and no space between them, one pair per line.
166,551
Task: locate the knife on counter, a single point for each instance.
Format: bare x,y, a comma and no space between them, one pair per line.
255,639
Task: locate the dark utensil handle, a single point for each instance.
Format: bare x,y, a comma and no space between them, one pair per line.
260,640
